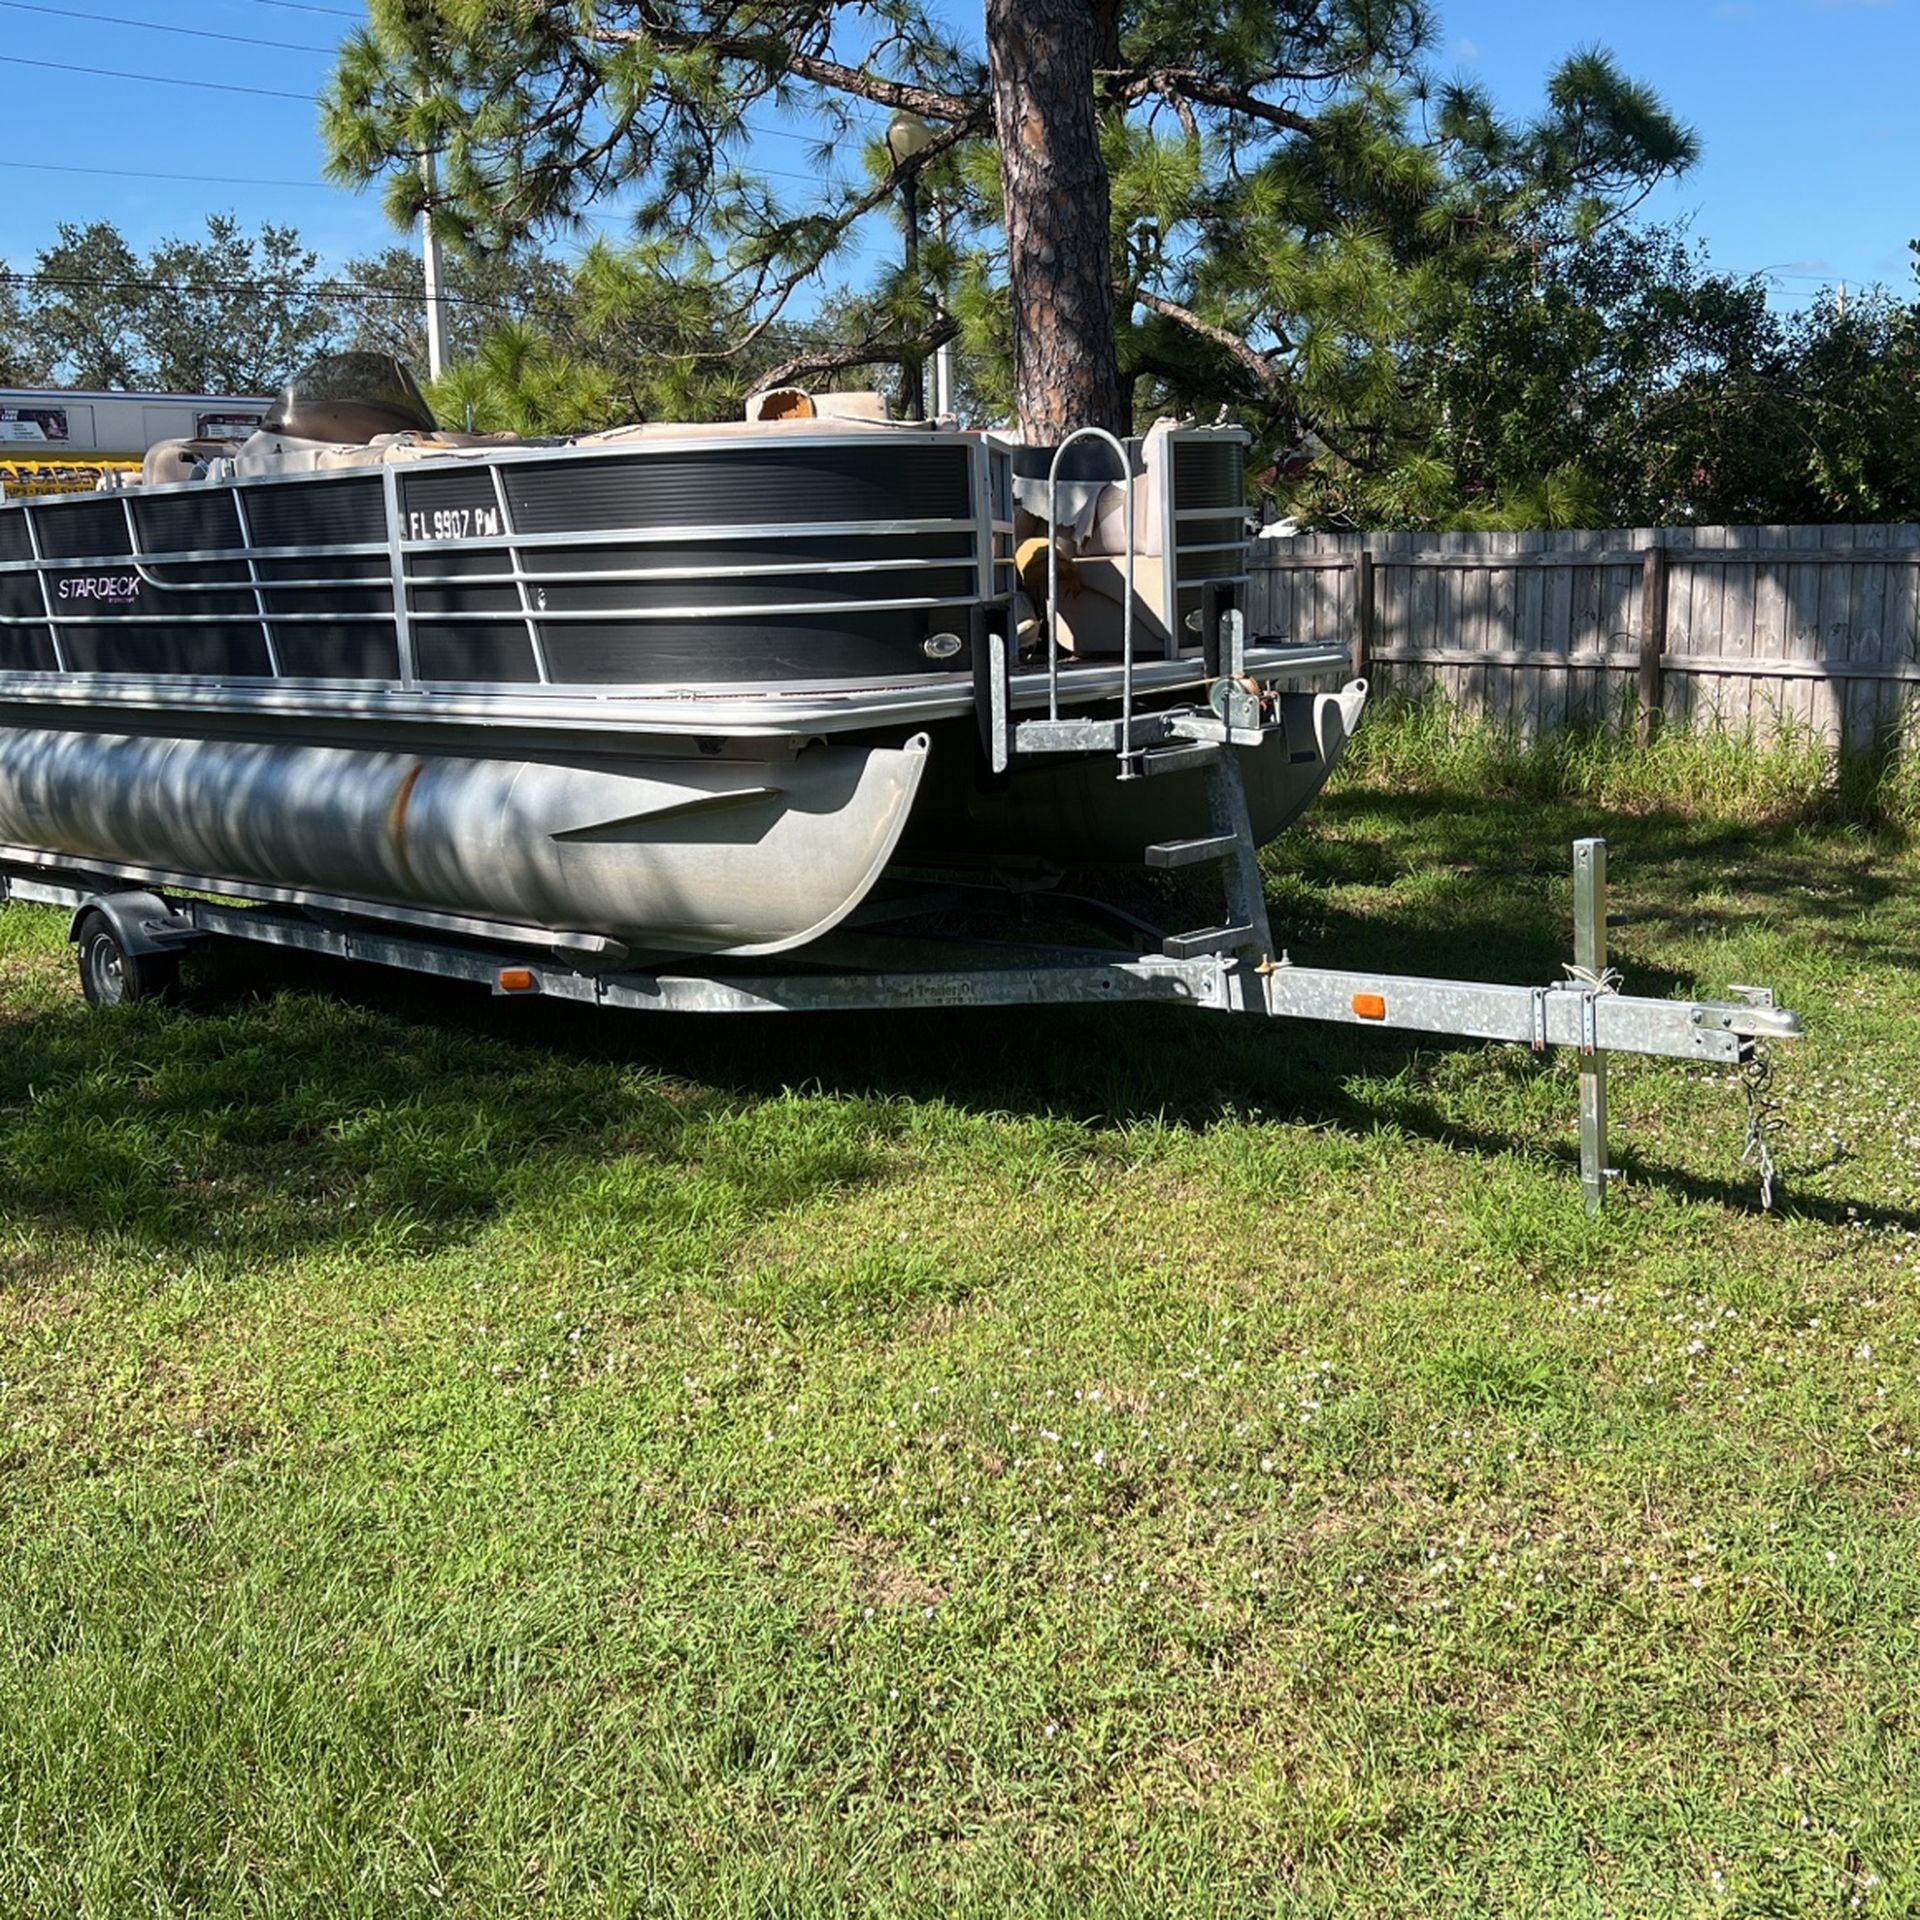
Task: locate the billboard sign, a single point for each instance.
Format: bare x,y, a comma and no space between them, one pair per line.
225,426
38,424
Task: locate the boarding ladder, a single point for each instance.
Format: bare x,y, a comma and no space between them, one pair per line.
1165,740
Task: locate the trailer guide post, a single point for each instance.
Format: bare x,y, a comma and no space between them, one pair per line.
1590,963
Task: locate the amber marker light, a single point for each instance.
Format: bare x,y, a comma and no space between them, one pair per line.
515,979
1370,1006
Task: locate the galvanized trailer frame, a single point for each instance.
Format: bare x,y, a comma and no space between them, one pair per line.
1585,1010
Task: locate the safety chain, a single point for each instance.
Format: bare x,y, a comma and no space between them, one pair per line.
1761,1109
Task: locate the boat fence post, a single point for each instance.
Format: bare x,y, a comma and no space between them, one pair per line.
1590,957
1053,582
1126,615
989,656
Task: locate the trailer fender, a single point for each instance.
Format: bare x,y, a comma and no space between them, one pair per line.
142,922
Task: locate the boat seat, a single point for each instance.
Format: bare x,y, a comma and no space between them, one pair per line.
1093,597
1150,490
398,449
169,463
1093,606
786,427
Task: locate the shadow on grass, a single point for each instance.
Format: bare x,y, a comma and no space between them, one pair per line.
299,1103
292,1105
1665,869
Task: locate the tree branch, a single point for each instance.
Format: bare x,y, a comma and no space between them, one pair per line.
861,353
1184,83
1224,338
929,102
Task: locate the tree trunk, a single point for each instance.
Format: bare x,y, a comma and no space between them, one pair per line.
1066,373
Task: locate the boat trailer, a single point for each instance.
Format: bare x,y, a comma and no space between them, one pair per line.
130,935
130,938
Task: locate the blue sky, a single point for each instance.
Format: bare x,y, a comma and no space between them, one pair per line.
1811,168
1811,142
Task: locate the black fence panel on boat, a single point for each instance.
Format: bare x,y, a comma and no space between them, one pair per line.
80,528
823,646
466,597
337,653
346,510
201,521
14,541
752,485
470,563
336,601
20,596
499,652
23,649
26,650
226,652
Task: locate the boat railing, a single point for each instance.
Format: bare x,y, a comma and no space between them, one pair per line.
1127,476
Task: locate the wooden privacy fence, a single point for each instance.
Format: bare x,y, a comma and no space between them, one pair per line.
1756,629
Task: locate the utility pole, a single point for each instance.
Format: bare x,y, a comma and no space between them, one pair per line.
943,353
908,137
435,275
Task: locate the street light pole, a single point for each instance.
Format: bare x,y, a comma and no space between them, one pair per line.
943,408
434,272
914,371
908,136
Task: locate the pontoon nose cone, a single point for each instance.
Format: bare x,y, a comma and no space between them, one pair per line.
1335,716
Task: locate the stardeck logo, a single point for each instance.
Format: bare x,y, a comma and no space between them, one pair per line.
116,589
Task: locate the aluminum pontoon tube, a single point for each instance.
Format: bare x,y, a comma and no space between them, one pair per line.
669,852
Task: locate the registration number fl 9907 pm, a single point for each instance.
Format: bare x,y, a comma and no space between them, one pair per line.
454,523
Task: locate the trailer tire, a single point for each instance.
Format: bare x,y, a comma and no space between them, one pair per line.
110,976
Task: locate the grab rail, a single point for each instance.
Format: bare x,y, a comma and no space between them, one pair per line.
1053,582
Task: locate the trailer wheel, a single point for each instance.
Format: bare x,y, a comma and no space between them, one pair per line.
110,976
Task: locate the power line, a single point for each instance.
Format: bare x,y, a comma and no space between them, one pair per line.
322,186
155,79
348,290
156,26
308,289
272,93
306,6
608,219
145,173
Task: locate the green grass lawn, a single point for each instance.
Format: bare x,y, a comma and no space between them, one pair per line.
485,1458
